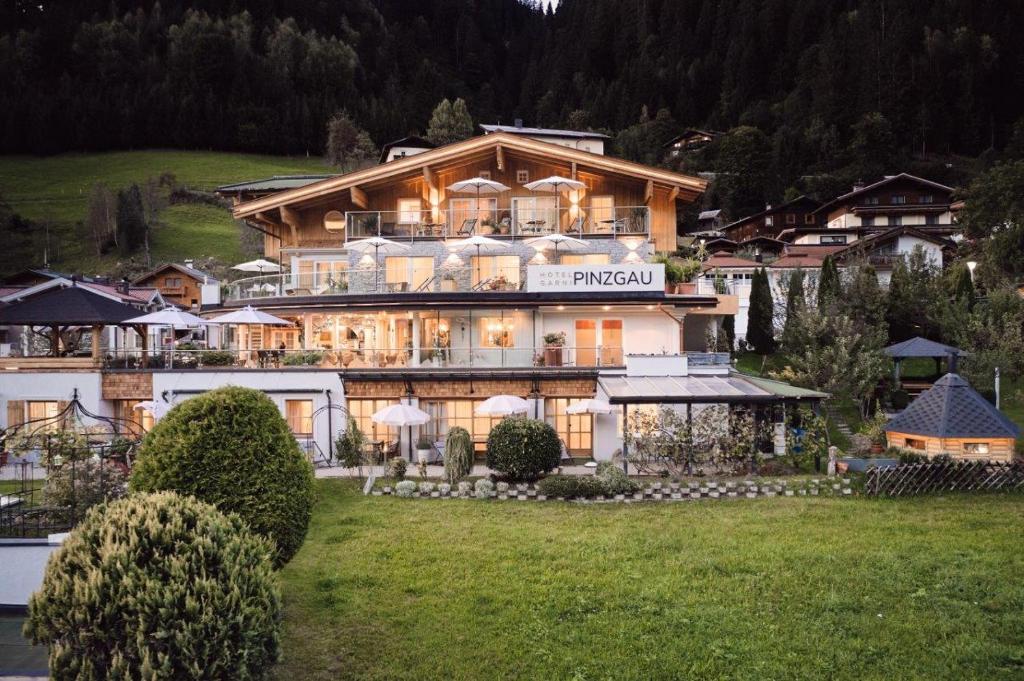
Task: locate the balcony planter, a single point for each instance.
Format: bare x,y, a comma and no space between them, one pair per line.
553,343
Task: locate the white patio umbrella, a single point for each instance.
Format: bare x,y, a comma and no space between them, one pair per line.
480,244
378,244
172,317
502,405
556,241
481,185
590,406
157,408
556,184
259,265
400,416
250,315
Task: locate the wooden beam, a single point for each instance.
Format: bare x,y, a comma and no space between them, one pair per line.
428,179
359,198
672,195
573,175
291,218
500,155
649,192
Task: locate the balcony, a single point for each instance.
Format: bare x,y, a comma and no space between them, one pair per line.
513,223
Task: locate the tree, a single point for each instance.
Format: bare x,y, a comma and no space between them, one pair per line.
348,145
132,229
913,291
963,285
458,454
160,587
231,447
760,322
993,335
100,218
729,329
863,300
794,303
829,285
993,215
450,122
744,159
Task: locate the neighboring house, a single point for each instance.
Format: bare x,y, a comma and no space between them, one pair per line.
582,140
180,285
710,220
407,146
882,250
895,200
798,213
689,140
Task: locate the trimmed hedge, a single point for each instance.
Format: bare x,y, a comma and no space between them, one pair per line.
523,449
158,586
570,487
232,448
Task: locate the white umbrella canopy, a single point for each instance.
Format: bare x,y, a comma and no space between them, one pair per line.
157,408
590,406
174,318
502,405
400,415
267,288
250,315
480,185
556,184
558,242
480,244
378,245
258,265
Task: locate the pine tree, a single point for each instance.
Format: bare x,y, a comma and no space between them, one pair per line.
794,305
729,329
760,329
450,122
348,145
131,220
829,287
963,286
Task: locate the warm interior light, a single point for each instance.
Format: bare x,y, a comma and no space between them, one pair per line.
561,307
606,307
367,261
650,307
632,257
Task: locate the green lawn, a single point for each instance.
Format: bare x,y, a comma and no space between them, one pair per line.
785,588
55,189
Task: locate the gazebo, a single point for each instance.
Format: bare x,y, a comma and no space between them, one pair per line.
920,347
952,418
60,309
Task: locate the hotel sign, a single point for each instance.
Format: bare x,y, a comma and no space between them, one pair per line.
594,278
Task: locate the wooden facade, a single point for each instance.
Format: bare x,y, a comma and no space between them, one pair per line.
769,222
175,284
999,449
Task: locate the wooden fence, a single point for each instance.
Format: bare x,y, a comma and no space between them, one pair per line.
944,476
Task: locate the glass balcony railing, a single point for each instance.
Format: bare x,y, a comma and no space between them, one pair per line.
515,222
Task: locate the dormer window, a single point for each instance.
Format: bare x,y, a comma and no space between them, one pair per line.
926,198
899,199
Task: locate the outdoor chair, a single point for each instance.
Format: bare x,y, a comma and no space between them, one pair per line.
577,225
467,227
387,229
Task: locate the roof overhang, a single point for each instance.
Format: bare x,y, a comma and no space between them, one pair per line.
689,187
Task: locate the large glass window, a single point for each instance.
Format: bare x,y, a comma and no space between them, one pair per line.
299,414
976,448
534,214
497,332
497,271
409,211
585,259
602,210
403,273
483,210
575,430
599,341
446,414
363,410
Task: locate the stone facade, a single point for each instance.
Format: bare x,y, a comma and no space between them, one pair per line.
133,385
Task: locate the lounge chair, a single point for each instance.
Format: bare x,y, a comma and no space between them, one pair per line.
467,228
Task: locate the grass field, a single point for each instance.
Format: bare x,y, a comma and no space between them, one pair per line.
55,190
798,588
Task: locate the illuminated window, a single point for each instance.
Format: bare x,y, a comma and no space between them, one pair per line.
585,259
496,332
975,448
407,273
363,410
915,444
446,414
602,209
299,414
41,411
575,430
492,268
408,211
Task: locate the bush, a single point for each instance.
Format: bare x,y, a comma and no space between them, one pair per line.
571,487
614,479
217,358
483,488
427,487
465,487
300,359
74,488
158,586
232,448
458,454
348,448
405,489
899,399
397,468
523,449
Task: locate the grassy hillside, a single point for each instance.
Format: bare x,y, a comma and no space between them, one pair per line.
54,191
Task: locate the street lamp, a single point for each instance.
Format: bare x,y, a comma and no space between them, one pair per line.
970,266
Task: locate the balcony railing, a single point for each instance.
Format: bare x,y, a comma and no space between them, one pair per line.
516,223
364,280
366,358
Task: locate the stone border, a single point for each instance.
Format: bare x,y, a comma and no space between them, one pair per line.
658,491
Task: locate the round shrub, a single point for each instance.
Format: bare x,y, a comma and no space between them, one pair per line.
523,449
458,454
232,448
406,489
483,488
614,479
427,487
158,586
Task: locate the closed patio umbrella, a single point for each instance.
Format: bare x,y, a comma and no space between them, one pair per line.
556,184
502,405
480,244
174,318
378,245
400,416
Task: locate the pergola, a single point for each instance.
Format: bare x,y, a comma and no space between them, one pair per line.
920,347
62,308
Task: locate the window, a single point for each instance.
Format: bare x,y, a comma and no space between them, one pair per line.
899,199
329,274
976,448
409,211
790,218
534,214
870,201
38,411
912,443
575,430
602,209
931,219
403,273
497,332
172,282
832,239
363,410
895,220
598,342
808,219
446,414
334,221
868,221
769,221
926,198
486,174
482,209
522,176
585,259
489,268
299,414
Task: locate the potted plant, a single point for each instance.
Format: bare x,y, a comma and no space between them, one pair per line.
423,448
874,429
499,283
448,282
553,344
674,274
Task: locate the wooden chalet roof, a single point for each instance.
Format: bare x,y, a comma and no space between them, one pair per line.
191,272
952,409
845,198
722,260
689,187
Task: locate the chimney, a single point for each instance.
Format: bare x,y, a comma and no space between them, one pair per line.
124,287
519,122
188,263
